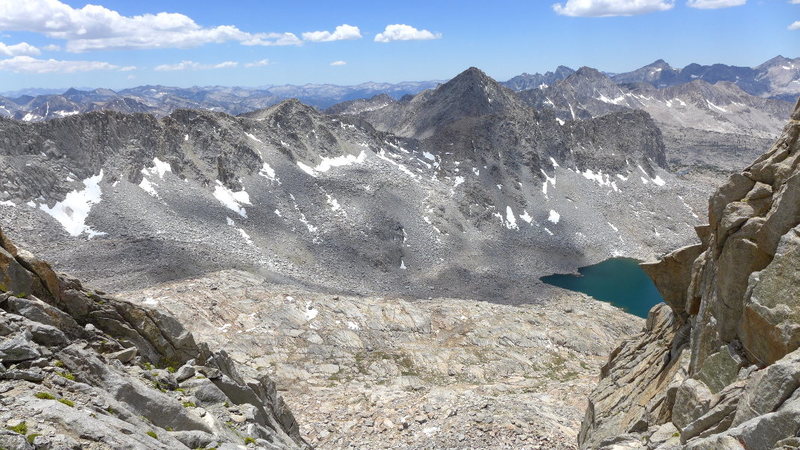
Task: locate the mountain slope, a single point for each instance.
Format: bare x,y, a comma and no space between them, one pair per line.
495,197
718,365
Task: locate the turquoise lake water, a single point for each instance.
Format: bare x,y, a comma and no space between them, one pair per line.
619,281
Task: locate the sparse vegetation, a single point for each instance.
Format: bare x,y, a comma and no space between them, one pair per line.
67,402
152,434
248,440
69,376
21,428
32,437
44,396
189,405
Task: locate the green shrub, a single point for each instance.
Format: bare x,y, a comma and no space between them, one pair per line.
32,437
45,396
152,434
249,440
189,405
66,375
67,402
22,428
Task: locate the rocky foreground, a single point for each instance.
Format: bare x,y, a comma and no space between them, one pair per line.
370,372
718,367
83,370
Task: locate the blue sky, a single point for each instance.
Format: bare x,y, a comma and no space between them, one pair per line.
61,43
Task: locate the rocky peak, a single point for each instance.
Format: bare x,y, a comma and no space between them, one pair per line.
286,108
589,75
718,365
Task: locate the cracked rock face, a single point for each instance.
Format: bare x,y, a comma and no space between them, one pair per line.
80,369
723,366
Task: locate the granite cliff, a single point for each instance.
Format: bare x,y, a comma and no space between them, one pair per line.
81,369
718,365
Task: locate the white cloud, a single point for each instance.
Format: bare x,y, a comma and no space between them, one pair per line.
339,63
608,8
794,2
52,48
341,33
400,32
27,64
95,27
260,63
795,26
192,65
23,48
714,4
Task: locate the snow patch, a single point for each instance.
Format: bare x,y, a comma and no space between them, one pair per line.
159,168
554,216
232,200
245,236
338,161
333,203
525,216
72,212
269,173
254,138
511,219
7,203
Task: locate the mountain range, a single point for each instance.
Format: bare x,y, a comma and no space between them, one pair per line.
463,190
778,78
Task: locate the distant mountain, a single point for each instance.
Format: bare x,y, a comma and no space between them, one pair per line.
162,100
537,80
722,107
470,94
777,78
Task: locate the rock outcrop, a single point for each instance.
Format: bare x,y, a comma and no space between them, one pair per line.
80,369
718,366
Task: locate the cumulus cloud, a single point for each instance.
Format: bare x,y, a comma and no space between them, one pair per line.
260,63
341,33
714,4
401,32
23,48
608,8
192,65
339,63
28,64
95,27
795,26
